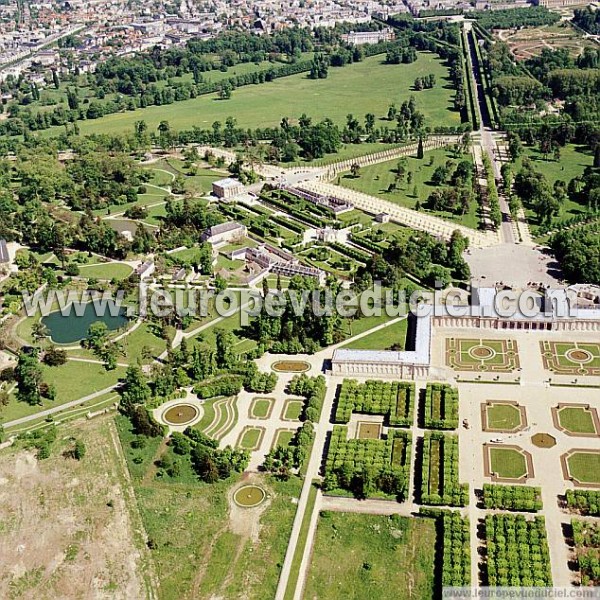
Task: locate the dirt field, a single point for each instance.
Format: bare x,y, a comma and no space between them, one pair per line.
66,526
529,42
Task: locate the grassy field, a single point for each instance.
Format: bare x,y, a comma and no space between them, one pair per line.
343,92
134,343
384,339
376,179
573,161
113,270
370,556
72,380
203,546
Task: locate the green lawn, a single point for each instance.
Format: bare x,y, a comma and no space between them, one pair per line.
250,438
293,410
199,552
345,152
343,92
283,437
261,408
376,179
585,466
507,463
358,556
114,270
143,336
503,417
300,545
573,161
72,380
577,420
383,339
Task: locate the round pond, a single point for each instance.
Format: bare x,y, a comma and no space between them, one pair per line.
249,496
70,327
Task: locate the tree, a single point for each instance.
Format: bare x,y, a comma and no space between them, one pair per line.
135,388
355,170
97,336
79,450
420,152
54,357
28,375
225,356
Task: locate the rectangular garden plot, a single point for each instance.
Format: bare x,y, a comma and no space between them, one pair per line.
394,400
368,467
439,471
441,406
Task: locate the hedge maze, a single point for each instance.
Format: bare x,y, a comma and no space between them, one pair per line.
586,540
368,467
441,406
512,497
395,400
571,358
440,484
480,355
517,551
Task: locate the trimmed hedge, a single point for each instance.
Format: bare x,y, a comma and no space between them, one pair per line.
313,389
512,497
228,385
440,484
441,406
517,551
366,466
455,550
586,536
586,502
394,400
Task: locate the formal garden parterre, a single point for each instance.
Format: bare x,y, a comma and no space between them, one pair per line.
571,358
482,355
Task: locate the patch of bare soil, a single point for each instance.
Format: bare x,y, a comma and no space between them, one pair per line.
65,525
